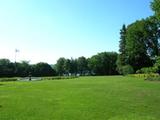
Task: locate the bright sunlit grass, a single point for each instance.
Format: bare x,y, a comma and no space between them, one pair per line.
85,98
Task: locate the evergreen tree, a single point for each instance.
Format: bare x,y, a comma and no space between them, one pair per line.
122,49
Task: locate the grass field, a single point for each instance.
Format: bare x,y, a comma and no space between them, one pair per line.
84,98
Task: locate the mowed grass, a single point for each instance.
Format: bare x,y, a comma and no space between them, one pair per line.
84,98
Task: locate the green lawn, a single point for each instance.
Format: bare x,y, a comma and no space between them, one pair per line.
85,98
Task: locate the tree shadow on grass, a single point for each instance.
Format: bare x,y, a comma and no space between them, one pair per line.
1,84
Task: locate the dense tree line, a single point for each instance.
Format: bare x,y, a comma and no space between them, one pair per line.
140,42
23,69
101,64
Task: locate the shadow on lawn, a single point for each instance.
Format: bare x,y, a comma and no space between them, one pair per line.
1,84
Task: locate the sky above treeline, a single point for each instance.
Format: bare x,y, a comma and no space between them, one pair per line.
45,30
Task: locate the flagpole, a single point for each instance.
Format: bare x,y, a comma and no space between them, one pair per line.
16,51
15,55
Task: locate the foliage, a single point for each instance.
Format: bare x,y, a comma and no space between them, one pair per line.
59,77
136,45
154,69
74,66
151,78
66,66
122,48
60,66
157,64
82,64
121,60
147,70
8,79
155,5
42,69
139,44
151,36
127,69
144,75
7,68
22,69
103,63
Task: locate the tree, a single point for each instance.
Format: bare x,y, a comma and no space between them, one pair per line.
60,66
23,69
122,41
155,5
94,66
122,50
67,66
151,36
42,69
74,66
103,63
82,65
138,50
6,68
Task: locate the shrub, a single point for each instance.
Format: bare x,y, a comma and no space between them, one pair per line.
150,78
127,69
144,75
8,79
147,70
59,77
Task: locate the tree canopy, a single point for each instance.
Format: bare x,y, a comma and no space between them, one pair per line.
155,5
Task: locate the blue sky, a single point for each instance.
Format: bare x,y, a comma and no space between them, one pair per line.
44,30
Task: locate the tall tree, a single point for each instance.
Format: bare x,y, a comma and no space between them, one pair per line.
103,63
60,66
6,68
155,5
42,69
122,49
136,48
67,66
23,69
74,66
82,65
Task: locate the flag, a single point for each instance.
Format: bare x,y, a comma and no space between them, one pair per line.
16,50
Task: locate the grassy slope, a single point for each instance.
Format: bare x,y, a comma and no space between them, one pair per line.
86,98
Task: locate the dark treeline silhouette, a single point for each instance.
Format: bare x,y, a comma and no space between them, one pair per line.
24,69
101,64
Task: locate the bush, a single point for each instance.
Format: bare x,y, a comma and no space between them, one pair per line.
8,79
147,70
59,77
144,75
127,69
150,78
